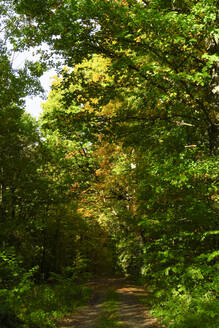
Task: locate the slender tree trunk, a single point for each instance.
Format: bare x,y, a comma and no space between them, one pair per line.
56,243
43,259
213,130
2,200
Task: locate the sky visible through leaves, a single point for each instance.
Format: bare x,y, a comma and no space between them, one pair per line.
33,104
117,174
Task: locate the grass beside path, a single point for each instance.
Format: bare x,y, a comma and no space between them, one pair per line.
109,315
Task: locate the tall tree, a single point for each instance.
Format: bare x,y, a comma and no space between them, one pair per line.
138,104
179,40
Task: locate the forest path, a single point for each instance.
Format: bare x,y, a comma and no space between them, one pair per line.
129,313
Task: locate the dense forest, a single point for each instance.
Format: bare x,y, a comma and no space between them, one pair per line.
119,176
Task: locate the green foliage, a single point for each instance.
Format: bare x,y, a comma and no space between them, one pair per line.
43,305
15,283
24,304
184,307
126,175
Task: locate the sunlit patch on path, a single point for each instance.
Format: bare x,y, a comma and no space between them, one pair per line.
131,313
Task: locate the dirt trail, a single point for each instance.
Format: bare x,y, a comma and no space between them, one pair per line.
131,314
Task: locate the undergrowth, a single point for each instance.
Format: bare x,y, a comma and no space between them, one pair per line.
187,309
41,306
25,304
47,304
187,301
